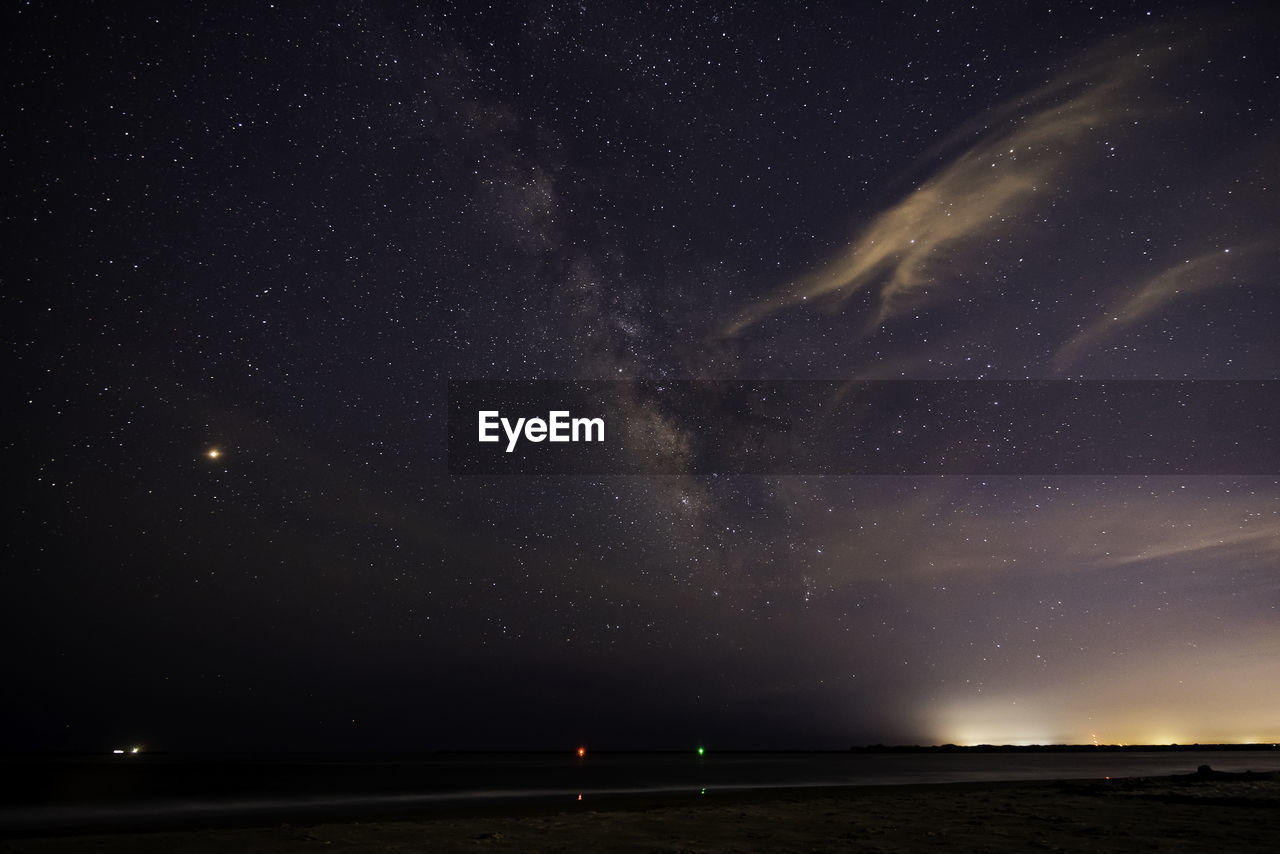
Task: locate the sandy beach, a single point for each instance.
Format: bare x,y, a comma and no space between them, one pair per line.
1141,814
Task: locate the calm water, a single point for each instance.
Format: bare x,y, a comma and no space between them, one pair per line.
161,790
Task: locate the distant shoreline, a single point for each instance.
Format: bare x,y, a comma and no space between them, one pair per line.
1059,748
542,751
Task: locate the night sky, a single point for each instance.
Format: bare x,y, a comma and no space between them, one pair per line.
248,246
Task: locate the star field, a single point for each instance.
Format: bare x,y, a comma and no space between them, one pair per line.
251,245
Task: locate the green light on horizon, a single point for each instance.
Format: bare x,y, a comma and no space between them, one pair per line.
701,750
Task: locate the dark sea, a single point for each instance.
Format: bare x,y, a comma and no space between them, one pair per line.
80,793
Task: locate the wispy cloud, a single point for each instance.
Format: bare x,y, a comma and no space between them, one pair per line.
1212,269
943,232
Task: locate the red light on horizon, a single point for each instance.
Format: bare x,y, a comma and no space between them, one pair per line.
582,751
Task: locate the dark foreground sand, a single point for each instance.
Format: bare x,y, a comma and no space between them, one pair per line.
1156,814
